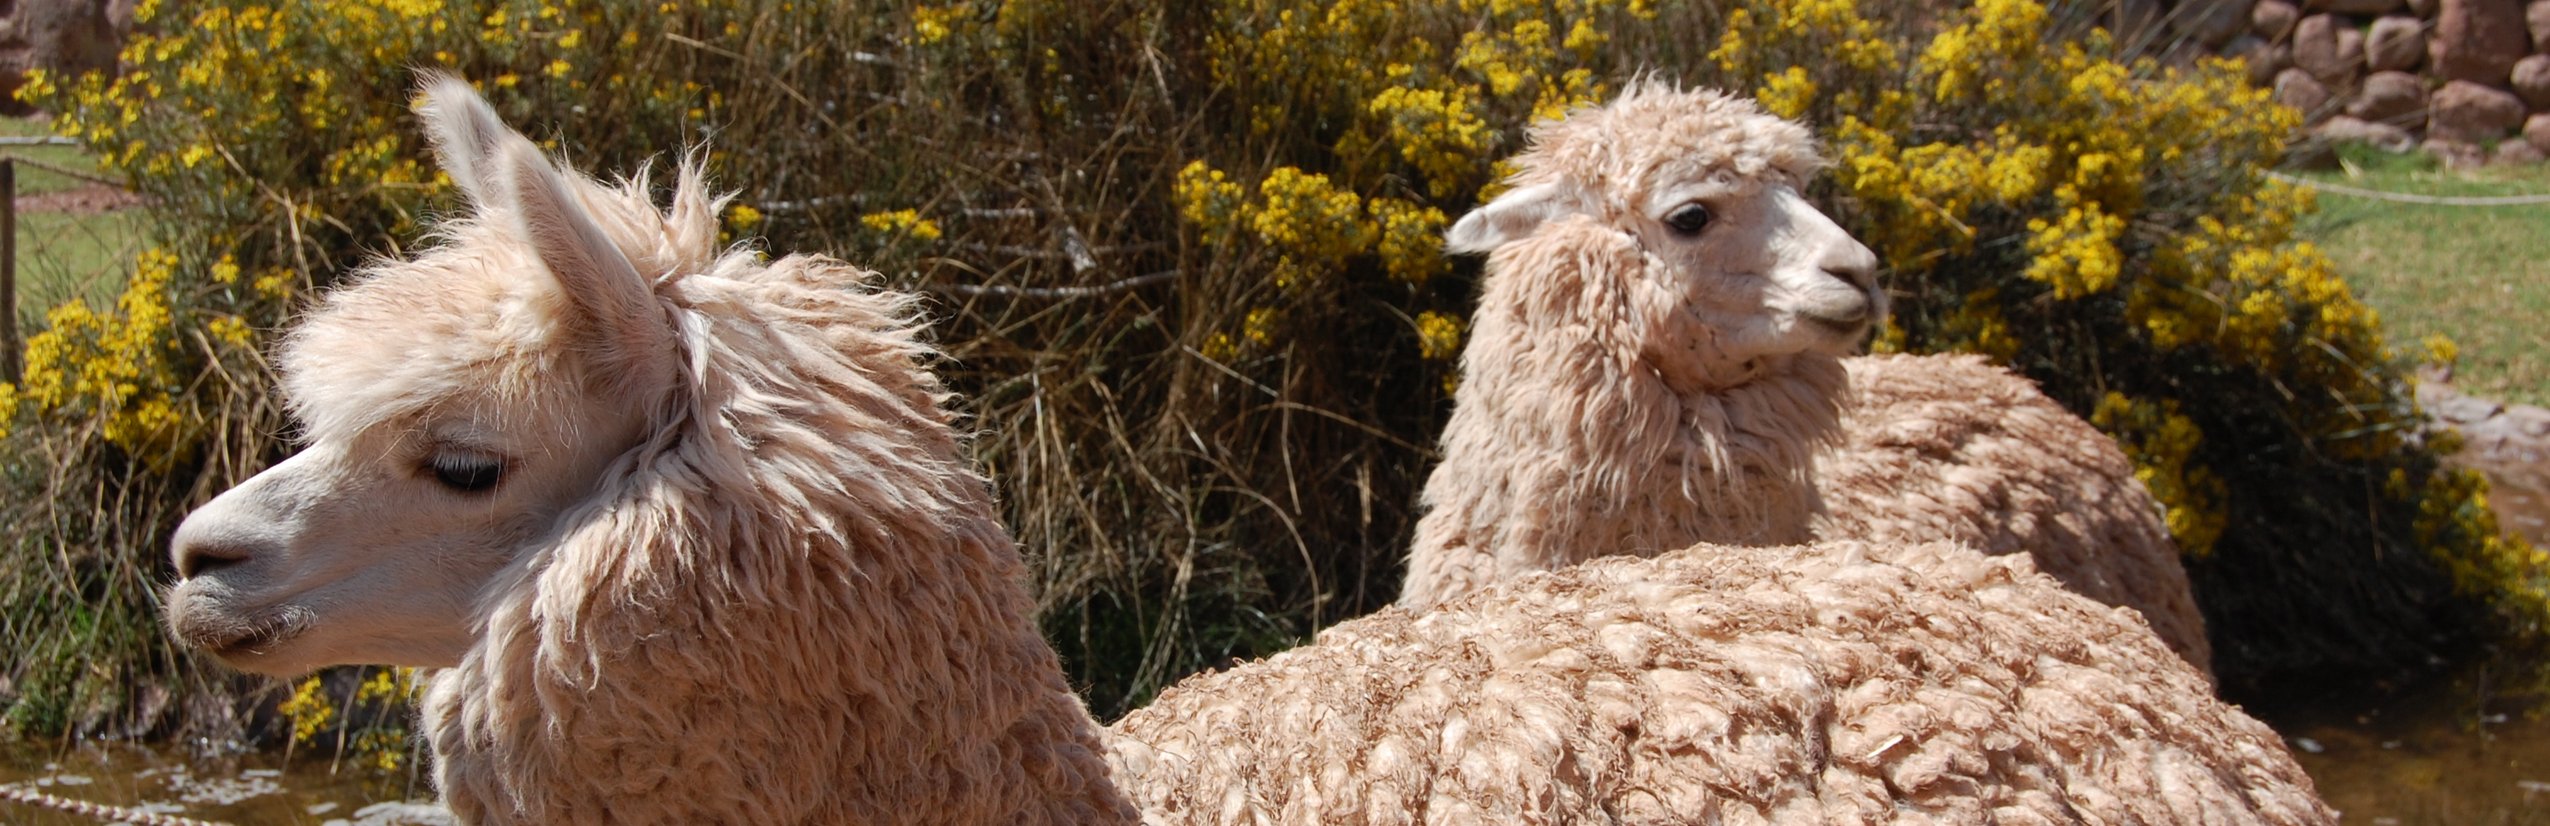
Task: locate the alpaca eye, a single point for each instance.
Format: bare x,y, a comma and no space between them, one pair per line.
1688,219
466,473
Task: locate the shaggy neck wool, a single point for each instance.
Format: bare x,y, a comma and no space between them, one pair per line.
790,604
1594,419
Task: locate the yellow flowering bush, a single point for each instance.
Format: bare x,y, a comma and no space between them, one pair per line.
365,719
113,365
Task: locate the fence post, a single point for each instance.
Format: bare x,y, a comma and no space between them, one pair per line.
9,350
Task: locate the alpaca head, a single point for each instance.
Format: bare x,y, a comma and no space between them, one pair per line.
1656,356
455,406
1703,189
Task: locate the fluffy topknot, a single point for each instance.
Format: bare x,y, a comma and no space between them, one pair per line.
1656,132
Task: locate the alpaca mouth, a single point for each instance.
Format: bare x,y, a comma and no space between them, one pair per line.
240,639
1847,328
258,641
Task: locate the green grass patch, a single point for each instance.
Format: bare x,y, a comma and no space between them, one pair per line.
62,256
66,255
2479,275
34,181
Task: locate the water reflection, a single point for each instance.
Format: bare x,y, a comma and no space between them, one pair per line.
2470,748
243,789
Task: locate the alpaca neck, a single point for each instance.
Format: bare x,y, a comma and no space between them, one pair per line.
793,609
1558,455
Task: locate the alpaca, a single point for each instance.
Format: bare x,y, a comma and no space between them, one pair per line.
689,536
1659,358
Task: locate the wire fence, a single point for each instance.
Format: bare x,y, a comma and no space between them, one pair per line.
2412,197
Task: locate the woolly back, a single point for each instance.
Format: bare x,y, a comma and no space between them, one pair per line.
783,596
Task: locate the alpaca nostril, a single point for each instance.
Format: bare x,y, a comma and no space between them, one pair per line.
1864,278
1842,317
198,558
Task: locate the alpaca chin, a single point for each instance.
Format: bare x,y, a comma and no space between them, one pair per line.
1747,469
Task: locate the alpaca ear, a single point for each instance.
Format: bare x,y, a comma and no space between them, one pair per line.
1511,217
611,301
465,132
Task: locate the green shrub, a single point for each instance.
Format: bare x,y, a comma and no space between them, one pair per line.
1190,283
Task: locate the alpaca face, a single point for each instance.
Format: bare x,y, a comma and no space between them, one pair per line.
457,407
1759,269
373,546
1705,188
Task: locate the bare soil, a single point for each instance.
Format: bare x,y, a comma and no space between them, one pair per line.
86,200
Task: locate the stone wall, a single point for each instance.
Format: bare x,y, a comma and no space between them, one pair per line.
58,35
2466,79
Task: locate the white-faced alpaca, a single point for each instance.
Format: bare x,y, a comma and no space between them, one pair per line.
1658,359
690,539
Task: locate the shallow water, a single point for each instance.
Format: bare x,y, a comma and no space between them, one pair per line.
2469,748
245,789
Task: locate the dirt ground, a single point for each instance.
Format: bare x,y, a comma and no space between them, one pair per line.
86,200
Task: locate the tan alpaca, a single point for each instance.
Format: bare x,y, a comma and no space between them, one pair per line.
689,538
1658,359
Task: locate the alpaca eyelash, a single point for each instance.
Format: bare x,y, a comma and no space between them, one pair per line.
1689,219
465,473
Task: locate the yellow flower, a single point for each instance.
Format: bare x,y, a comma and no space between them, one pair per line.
931,24
1411,244
902,221
309,709
742,218
1439,336
2440,350
1788,93
1259,326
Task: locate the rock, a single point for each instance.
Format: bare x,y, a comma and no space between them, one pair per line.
2536,131
2347,129
2393,98
2466,112
2273,19
2454,407
2211,22
2515,153
2296,88
2536,20
2266,60
2478,40
2316,50
2454,154
2532,422
2357,7
2243,48
2350,55
2531,79
55,35
2395,43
